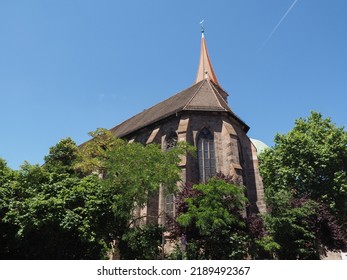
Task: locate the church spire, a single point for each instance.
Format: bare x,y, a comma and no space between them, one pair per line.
205,69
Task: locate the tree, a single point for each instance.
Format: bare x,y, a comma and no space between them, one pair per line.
304,173
7,231
51,215
132,174
303,228
215,220
142,243
66,210
212,219
62,156
311,160
93,155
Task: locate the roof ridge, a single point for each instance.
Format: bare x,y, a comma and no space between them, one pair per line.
214,91
196,92
216,86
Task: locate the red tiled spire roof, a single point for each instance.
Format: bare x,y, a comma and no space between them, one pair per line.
205,69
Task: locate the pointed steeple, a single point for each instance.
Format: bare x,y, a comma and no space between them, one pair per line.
205,69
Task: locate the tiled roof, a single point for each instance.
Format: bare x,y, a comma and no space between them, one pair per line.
202,96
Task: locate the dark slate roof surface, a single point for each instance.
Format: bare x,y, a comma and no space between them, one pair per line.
202,96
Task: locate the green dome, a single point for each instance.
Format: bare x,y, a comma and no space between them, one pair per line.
259,145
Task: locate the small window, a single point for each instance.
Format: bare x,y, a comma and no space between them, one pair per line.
239,148
169,205
171,141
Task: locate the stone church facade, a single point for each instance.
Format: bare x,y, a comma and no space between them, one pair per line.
201,116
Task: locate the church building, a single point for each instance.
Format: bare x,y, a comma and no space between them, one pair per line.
201,116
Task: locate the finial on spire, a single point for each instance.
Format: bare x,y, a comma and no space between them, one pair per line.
202,27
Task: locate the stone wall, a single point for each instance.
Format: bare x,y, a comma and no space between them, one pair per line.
235,155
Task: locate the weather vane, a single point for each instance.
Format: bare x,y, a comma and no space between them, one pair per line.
202,26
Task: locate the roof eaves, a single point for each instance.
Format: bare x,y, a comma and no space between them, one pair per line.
129,131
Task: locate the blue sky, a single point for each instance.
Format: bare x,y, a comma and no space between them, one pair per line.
68,67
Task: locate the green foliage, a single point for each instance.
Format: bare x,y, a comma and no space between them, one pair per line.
65,210
136,171
5,173
132,173
215,208
312,161
52,217
93,155
213,221
261,244
290,225
62,156
6,178
7,231
177,253
305,179
302,227
268,244
142,243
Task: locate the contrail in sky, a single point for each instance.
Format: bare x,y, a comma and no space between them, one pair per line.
279,23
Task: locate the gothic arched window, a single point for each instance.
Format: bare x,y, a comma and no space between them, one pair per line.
206,155
171,141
